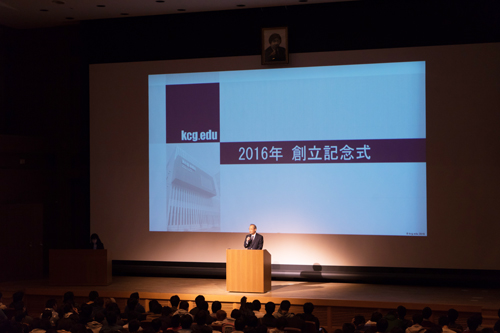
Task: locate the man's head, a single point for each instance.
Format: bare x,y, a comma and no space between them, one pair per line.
348,328
93,295
443,321
382,325
473,322
401,312
308,308
155,306
358,320
270,308
132,303
275,40
252,229
51,304
175,300
184,305
239,324
452,315
221,315
418,318
256,305
186,321
285,306
376,316
235,314
427,312
201,318
133,326
203,305
199,299
216,306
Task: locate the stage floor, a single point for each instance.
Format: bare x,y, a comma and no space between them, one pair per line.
321,292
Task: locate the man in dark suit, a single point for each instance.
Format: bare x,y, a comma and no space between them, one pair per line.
253,241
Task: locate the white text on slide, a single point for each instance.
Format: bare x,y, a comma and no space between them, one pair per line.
195,136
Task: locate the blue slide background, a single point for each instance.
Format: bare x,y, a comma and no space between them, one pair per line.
373,101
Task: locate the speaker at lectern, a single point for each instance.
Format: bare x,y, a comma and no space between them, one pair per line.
248,271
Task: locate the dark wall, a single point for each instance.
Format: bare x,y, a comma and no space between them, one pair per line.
312,28
44,80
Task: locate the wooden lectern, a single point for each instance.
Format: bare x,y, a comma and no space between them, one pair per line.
80,267
248,271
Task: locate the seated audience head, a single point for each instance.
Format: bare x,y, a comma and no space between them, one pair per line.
252,321
285,306
69,297
166,311
41,324
176,320
46,314
18,296
174,301
111,317
418,318
133,315
401,310
68,308
203,305
85,313
186,321
308,308
269,321
256,305
93,295
135,295
281,323
156,324
199,299
155,306
435,329
204,329
99,302
427,313
348,328
201,318
235,314
382,325
474,322
376,316
216,306
64,325
51,304
239,324
132,303
221,315
99,317
113,307
452,315
270,308
184,305
443,321
134,325
358,320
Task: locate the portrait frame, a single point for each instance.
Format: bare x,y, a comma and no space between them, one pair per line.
277,54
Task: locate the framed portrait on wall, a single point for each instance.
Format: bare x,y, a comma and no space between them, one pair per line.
274,46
